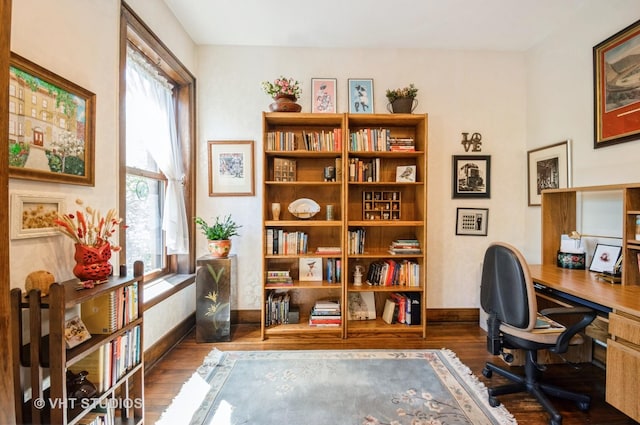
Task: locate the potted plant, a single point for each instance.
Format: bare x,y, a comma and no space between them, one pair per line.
402,100
285,92
219,234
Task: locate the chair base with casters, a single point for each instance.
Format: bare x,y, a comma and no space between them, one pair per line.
508,297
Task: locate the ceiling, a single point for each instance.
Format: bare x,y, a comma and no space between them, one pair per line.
513,25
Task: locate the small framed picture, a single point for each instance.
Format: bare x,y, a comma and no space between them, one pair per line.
323,95
471,176
605,258
549,167
75,332
406,173
360,96
472,221
231,169
33,214
310,269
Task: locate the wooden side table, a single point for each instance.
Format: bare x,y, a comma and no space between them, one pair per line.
214,277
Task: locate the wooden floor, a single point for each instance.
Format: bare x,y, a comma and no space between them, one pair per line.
164,380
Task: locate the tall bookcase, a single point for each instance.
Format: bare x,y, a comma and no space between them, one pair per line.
113,356
310,156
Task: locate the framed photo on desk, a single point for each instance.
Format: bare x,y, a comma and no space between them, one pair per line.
605,258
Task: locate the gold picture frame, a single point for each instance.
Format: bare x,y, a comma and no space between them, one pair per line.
231,168
32,214
51,126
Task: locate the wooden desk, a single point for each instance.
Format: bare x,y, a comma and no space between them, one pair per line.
623,344
585,285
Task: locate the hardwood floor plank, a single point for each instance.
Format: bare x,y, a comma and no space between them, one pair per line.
164,381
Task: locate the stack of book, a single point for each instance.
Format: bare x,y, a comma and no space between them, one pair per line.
279,277
402,144
402,308
405,246
326,313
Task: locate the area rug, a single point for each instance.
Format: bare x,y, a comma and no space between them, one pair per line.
350,387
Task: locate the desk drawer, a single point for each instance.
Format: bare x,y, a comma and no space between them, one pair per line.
623,387
625,327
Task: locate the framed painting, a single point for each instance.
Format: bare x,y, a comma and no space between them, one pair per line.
33,214
360,96
605,258
472,221
616,65
548,167
51,126
231,168
471,176
323,99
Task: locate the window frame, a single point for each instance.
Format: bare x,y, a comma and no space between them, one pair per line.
134,30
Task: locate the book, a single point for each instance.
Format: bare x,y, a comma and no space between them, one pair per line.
99,313
362,306
389,314
75,332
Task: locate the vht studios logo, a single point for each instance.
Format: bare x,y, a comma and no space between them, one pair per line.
84,403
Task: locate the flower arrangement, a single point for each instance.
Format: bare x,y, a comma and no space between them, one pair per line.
89,227
282,85
220,230
410,91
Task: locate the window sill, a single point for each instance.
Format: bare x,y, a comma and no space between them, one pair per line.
159,289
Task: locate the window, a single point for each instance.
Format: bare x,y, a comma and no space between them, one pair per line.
156,167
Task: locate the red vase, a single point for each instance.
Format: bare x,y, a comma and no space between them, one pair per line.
285,103
92,263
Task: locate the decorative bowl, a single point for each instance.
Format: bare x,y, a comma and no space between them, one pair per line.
304,208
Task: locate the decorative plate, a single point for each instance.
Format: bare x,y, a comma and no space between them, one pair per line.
304,208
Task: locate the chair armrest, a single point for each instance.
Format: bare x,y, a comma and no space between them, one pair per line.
563,340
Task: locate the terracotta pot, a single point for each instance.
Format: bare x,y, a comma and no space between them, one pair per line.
219,248
285,103
92,263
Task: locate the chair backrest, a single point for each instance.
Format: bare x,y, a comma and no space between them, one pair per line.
507,290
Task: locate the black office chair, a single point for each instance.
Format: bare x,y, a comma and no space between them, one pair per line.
508,296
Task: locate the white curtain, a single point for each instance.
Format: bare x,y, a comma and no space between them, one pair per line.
149,95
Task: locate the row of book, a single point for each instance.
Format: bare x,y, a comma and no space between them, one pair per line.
282,242
393,273
356,241
379,140
319,141
111,311
402,307
326,313
364,171
333,270
405,246
112,360
277,308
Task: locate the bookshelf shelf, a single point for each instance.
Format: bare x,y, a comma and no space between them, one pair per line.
114,357
405,145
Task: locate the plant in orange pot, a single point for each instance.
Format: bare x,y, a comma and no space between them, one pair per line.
92,233
219,234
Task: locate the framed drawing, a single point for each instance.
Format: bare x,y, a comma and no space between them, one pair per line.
310,269
231,169
51,126
323,95
548,167
605,258
32,214
471,176
472,221
360,96
617,88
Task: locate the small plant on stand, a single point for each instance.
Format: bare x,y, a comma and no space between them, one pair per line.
219,234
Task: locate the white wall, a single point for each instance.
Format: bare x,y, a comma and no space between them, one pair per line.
462,91
79,40
560,103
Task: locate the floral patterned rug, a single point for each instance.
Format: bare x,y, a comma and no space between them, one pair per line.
354,387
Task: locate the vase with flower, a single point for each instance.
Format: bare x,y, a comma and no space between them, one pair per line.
92,233
285,92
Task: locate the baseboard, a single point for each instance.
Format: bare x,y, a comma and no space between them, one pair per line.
168,341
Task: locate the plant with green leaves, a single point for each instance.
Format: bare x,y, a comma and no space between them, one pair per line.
222,229
411,91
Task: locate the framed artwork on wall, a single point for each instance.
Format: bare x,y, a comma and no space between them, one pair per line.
231,168
471,176
33,214
51,126
323,95
360,96
472,221
549,167
616,64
